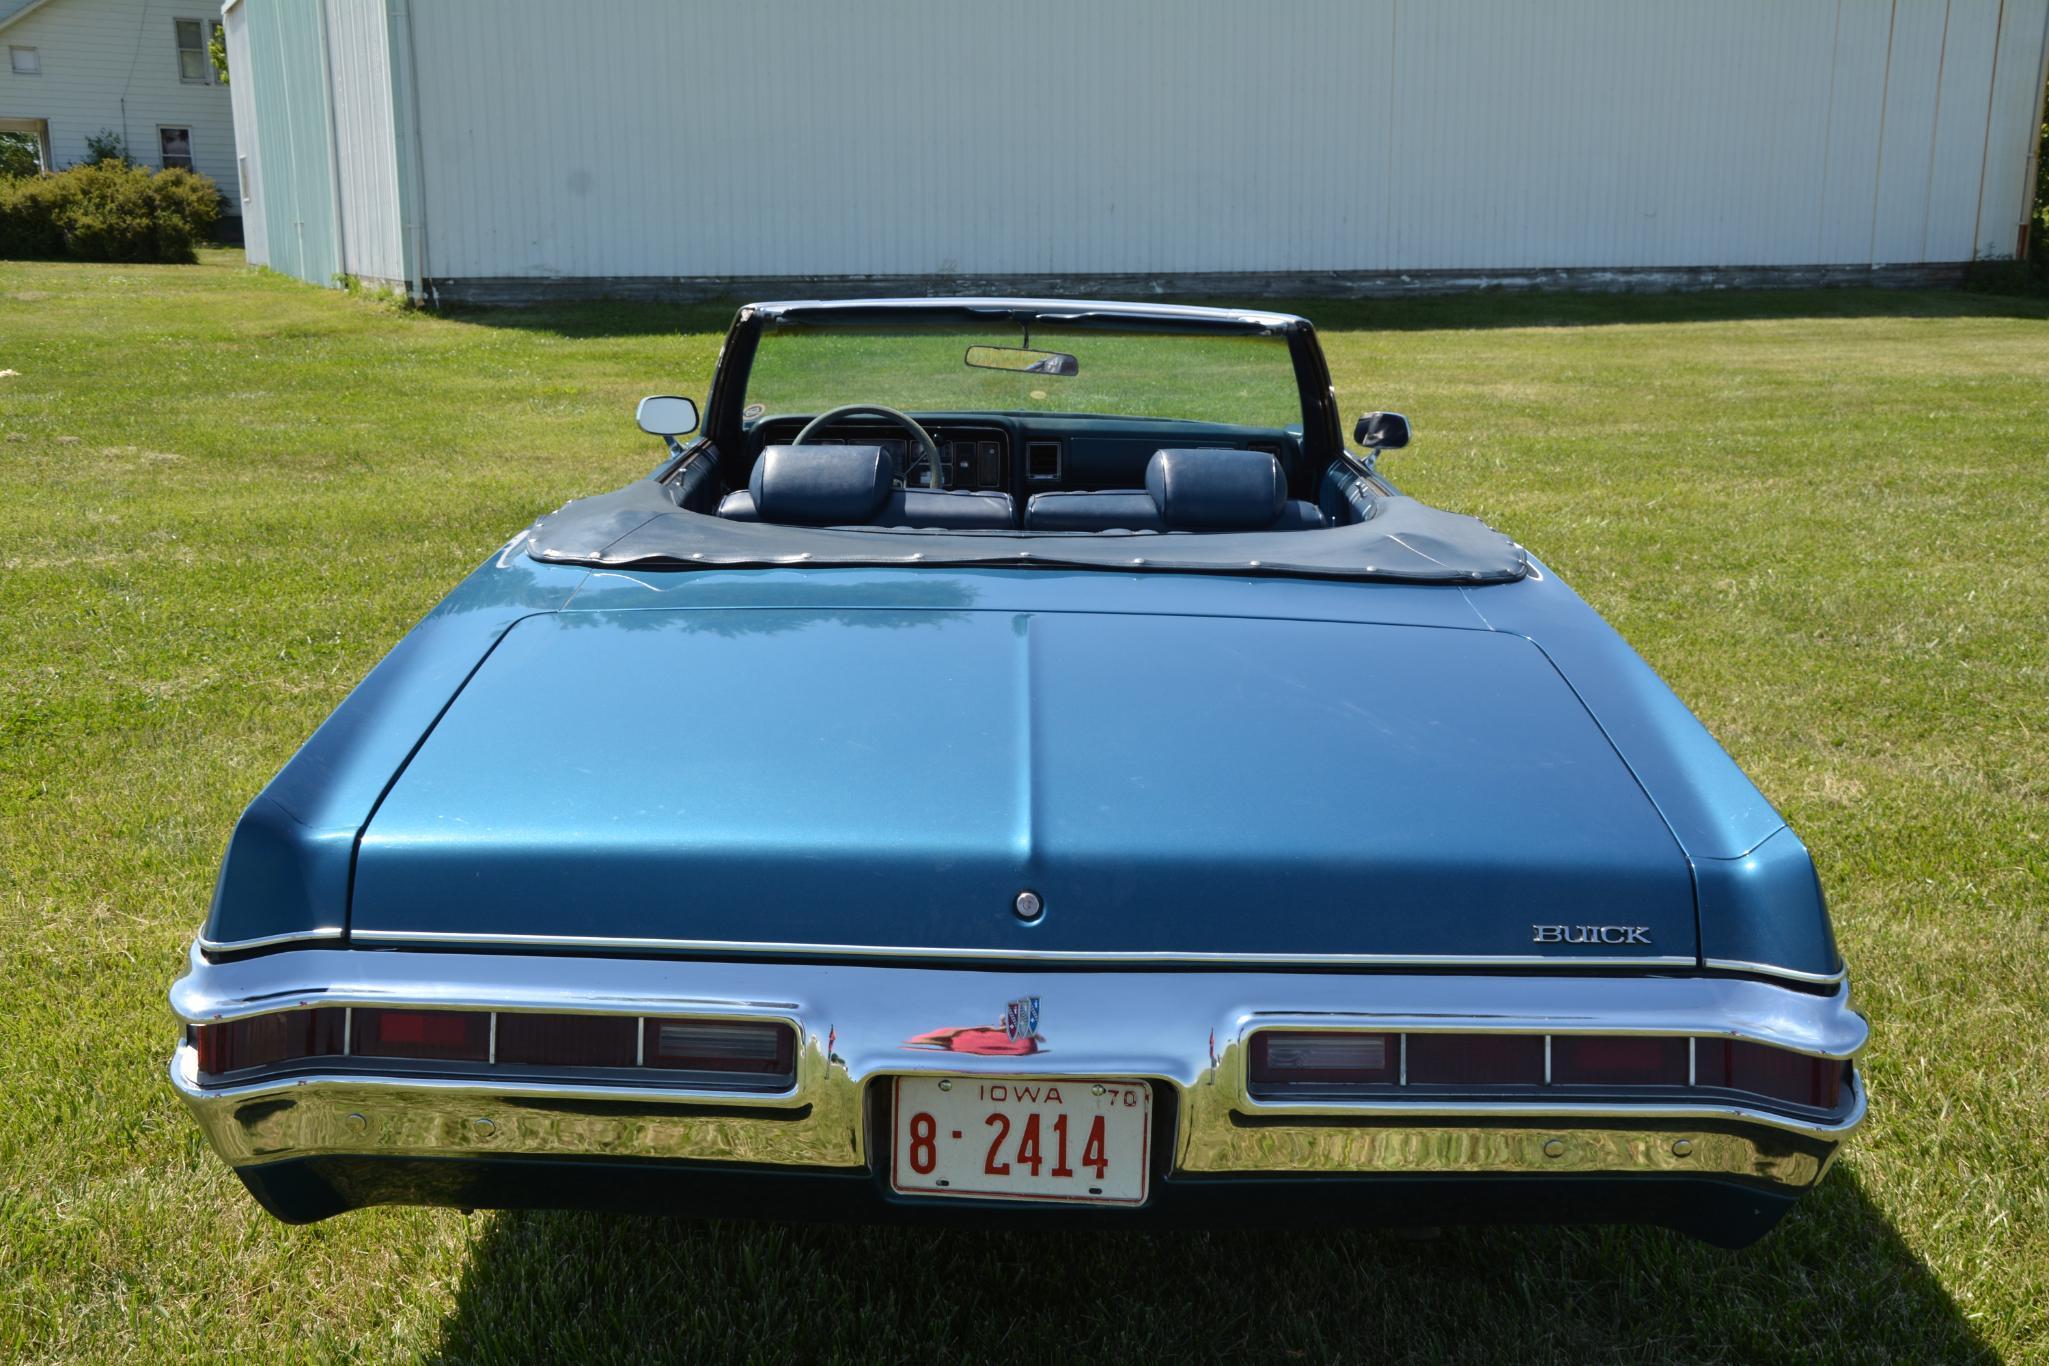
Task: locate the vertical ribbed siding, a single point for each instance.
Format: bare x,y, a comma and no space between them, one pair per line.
2021,56
1956,142
360,68
255,228
796,137
1917,47
293,141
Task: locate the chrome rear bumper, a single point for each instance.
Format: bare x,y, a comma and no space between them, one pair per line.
1182,1031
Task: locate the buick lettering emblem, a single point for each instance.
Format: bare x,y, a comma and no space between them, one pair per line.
1021,1018
1590,934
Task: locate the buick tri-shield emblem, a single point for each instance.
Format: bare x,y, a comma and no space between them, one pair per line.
1014,1035
1021,1018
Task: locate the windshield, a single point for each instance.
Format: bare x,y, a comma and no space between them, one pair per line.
1194,377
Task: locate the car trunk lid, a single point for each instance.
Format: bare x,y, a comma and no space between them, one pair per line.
888,781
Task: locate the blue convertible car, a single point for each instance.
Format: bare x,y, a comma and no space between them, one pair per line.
1016,762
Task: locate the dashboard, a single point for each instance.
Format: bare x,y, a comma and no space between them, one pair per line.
973,461
1035,455
971,455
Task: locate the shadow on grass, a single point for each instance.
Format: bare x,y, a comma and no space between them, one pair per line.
1478,309
1833,1282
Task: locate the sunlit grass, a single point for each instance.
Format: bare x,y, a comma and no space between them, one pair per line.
224,495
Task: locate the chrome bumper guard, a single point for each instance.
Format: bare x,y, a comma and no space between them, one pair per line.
1185,1031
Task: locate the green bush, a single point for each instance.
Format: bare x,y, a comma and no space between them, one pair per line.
187,207
107,145
111,211
2042,175
28,216
18,156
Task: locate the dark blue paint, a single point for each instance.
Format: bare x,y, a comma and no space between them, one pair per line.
888,777
1766,907
1759,899
886,756
287,866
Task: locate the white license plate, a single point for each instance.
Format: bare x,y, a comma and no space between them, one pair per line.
1085,1141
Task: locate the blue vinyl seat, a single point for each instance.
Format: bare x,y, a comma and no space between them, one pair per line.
1185,490
854,486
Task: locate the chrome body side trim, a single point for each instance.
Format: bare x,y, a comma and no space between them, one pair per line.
1092,957
270,941
861,1024
1824,979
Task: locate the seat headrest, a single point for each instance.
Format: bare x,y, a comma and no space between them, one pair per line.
1211,490
820,485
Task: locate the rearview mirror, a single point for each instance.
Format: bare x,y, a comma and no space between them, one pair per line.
1382,431
1023,361
666,415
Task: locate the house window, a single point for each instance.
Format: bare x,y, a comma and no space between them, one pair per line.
194,66
33,134
176,144
25,61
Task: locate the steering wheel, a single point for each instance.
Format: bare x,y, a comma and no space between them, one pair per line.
918,434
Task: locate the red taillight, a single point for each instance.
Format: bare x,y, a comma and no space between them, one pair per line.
566,1040
1476,1060
756,1052
262,1040
1766,1071
1584,1061
442,1035
1280,1057
720,1046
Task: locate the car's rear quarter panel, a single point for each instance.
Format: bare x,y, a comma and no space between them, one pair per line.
288,866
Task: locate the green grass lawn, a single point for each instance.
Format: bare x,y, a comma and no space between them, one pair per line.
1823,517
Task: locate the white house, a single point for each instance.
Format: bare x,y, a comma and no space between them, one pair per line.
138,68
509,148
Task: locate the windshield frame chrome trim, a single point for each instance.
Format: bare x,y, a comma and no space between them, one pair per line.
976,309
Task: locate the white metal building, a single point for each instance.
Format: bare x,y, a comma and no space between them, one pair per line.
138,68
505,148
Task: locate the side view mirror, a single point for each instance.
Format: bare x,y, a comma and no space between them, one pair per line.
666,415
1382,431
